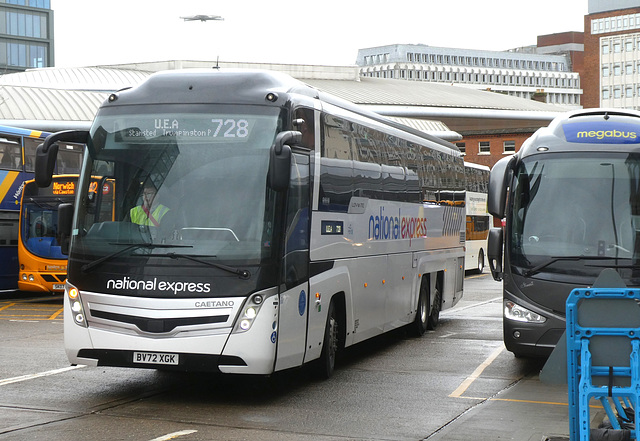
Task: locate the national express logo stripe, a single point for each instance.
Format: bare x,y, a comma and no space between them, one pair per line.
393,225
452,221
602,132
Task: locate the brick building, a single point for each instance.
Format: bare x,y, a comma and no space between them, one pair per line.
489,147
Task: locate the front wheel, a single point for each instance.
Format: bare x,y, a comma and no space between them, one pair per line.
327,362
480,267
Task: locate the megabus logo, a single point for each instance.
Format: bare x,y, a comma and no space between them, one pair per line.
602,132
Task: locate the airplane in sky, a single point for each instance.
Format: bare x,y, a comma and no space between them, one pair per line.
202,17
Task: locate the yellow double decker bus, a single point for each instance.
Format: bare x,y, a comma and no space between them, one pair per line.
41,247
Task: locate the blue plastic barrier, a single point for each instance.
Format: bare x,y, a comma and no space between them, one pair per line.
603,357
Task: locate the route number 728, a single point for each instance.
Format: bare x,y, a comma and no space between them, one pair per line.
231,128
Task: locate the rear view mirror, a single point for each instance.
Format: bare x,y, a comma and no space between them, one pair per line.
280,159
65,218
47,153
498,183
45,163
494,252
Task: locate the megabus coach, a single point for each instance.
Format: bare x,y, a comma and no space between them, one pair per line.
281,225
571,199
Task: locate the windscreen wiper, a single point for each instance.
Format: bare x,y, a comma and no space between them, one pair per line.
242,273
47,205
134,246
536,269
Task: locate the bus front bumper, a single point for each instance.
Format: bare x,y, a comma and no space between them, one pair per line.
217,347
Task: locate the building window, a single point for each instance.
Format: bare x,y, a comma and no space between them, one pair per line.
617,92
617,69
628,92
462,147
605,49
628,45
484,147
617,47
606,94
509,146
44,4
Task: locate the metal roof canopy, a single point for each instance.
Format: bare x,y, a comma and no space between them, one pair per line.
58,98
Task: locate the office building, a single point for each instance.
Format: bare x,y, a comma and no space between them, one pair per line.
26,35
612,47
527,72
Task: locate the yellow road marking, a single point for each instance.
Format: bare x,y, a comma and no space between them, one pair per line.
9,305
471,378
39,311
57,313
513,400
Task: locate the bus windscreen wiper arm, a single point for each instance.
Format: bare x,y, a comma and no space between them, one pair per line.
243,274
536,269
87,267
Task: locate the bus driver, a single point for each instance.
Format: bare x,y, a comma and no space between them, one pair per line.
145,214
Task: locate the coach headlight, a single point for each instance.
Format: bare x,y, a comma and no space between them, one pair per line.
513,311
77,311
248,313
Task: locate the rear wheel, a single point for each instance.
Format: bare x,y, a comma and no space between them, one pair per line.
434,317
327,362
422,314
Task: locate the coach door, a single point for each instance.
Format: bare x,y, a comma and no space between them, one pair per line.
294,300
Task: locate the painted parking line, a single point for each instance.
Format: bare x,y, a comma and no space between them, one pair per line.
56,314
21,311
174,435
474,376
7,306
38,375
478,371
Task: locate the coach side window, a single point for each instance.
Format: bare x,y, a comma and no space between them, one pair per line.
336,166
10,153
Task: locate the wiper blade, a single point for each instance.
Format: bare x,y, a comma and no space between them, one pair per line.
536,269
134,246
242,273
47,205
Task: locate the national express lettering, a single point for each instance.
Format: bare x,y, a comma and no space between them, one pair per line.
127,283
393,227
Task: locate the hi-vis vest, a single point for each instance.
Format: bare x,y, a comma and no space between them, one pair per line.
139,216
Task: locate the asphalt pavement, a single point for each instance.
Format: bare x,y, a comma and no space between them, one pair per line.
474,390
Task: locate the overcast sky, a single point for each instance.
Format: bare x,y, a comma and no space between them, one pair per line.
329,32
